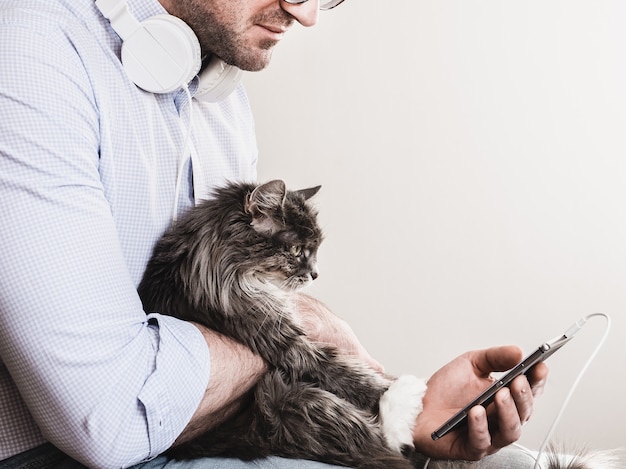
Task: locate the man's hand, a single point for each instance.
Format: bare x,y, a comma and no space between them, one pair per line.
322,326
454,385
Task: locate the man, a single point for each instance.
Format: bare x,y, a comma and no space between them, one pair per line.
92,169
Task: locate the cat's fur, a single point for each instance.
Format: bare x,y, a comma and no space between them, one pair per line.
563,458
233,263
556,457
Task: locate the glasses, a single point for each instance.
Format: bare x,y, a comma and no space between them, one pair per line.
324,4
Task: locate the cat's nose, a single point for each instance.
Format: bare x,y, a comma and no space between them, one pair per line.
314,274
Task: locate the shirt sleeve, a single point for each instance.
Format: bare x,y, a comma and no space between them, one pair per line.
104,382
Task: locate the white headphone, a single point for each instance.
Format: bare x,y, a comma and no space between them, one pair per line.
162,54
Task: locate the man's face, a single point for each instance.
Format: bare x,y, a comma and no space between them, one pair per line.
241,32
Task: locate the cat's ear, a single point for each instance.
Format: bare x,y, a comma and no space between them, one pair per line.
308,193
267,197
263,201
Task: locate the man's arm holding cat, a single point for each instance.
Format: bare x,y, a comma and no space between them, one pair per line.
487,432
227,388
234,371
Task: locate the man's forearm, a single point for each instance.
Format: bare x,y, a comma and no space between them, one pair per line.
322,325
234,371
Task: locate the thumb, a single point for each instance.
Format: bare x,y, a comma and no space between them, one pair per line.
492,359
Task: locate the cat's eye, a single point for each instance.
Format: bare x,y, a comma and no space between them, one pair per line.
296,250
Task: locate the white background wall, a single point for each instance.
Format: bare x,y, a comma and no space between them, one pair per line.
473,162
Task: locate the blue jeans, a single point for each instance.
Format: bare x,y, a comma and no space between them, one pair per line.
48,457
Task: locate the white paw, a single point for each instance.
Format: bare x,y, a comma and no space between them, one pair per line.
399,407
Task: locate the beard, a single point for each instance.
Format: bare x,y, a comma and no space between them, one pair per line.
234,51
221,32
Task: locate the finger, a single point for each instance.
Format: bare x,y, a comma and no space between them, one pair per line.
523,398
537,377
509,425
478,436
496,359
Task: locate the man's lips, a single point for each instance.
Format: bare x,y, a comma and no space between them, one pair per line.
275,31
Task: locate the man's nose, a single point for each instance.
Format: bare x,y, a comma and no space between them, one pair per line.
305,13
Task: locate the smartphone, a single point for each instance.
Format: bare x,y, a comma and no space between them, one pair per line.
542,353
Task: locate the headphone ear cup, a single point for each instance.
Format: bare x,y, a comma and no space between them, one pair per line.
162,55
217,81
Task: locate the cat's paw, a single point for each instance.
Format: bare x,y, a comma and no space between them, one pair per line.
399,408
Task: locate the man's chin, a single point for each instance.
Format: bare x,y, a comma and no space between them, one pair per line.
255,62
253,68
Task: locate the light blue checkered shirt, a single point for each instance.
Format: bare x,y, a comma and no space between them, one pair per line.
87,181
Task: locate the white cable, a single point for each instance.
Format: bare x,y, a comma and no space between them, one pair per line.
182,159
531,454
556,420
571,331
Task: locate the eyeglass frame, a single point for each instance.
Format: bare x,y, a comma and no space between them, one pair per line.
331,3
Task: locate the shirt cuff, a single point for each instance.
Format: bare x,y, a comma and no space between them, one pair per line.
172,393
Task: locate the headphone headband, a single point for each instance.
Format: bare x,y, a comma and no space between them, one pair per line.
117,12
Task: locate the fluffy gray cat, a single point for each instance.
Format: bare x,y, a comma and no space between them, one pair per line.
233,263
